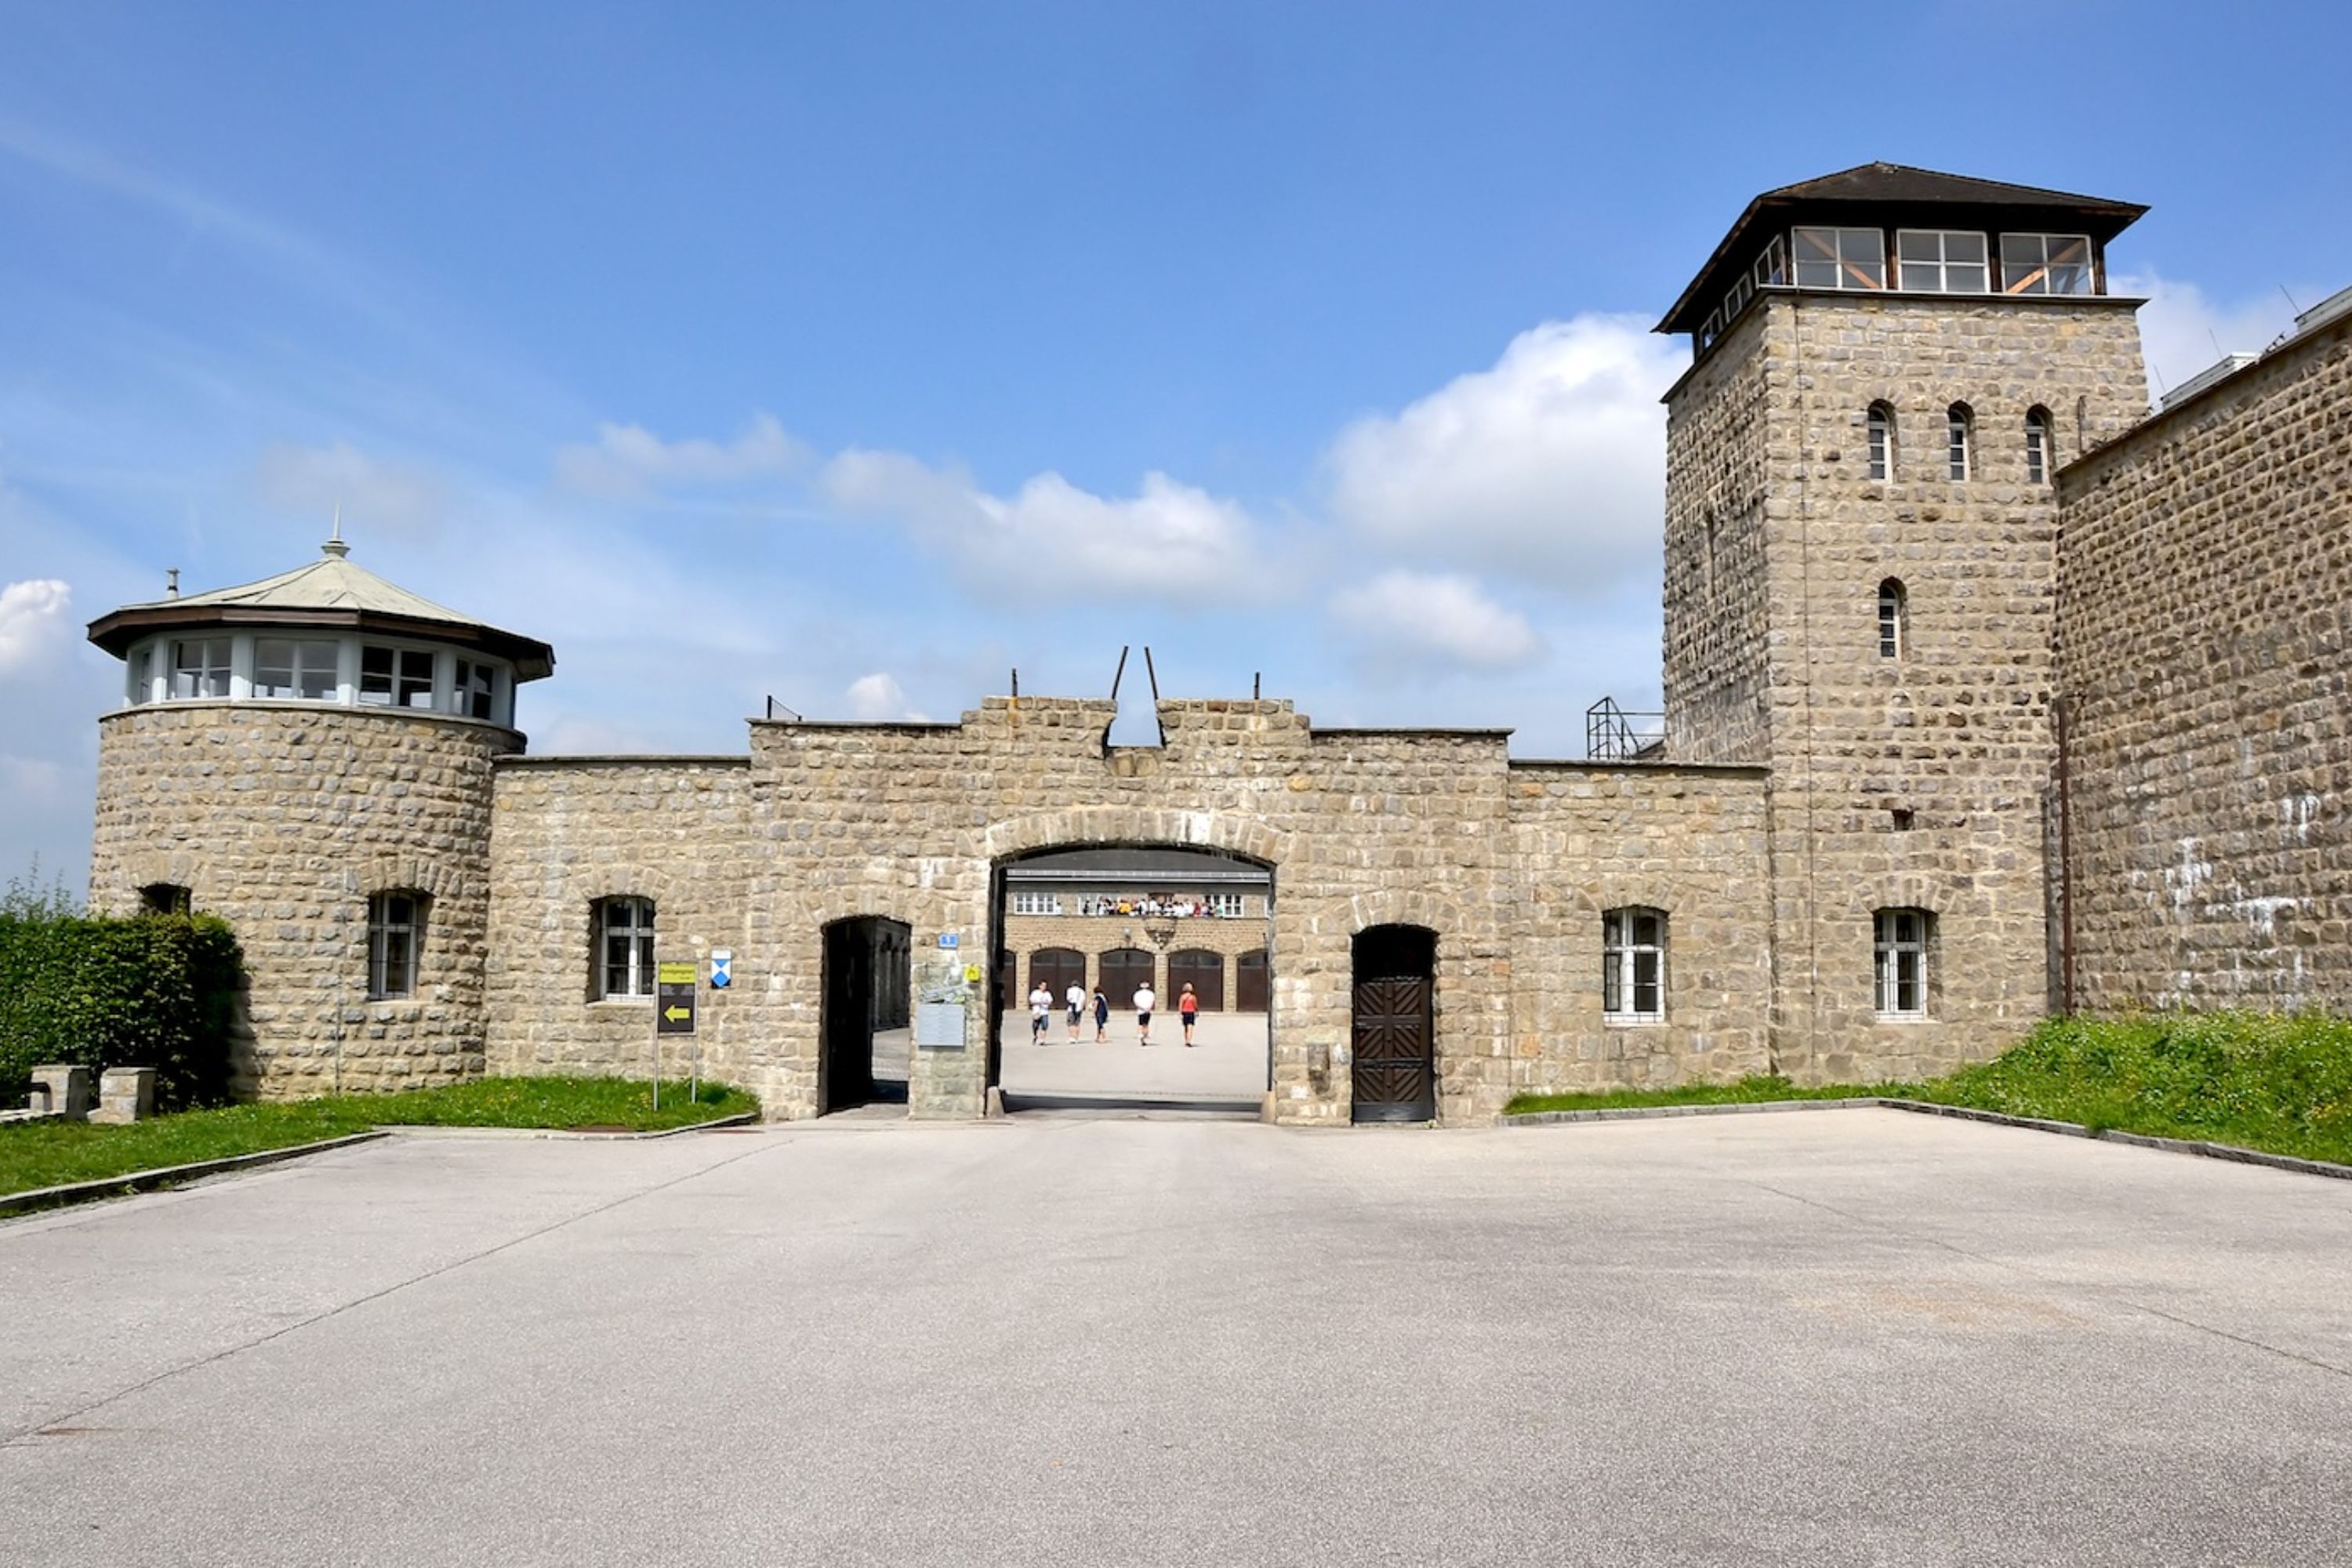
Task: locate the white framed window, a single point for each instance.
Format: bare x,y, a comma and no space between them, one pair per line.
304,668
396,678
1031,902
1840,258
200,667
1880,425
1634,966
1227,906
1771,268
1891,629
2037,446
142,676
2046,264
1960,440
1899,941
625,948
1941,261
475,693
395,933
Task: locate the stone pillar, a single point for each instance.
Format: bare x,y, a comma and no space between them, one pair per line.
66,1087
125,1095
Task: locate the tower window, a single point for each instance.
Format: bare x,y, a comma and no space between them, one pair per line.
165,898
475,693
625,947
289,667
1891,627
1634,966
2037,446
1882,441
395,932
2046,264
1899,960
1840,258
1960,426
1941,261
200,667
396,678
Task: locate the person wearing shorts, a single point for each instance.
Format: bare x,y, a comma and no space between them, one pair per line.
1076,998
1143,1001
1041,1007
1188,1007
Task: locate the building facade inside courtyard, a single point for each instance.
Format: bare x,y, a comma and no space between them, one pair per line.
1978,706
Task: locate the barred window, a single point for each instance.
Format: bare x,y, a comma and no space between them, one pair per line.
2037,446
1891,629
1634,966
1881,424
625,948
1960,440
395,933
1900,940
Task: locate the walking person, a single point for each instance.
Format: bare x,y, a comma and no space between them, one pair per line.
1188,1007
1076,999
1041,1007
1102,1017
1143,1001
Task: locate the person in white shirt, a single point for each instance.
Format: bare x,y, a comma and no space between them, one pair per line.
1041,1007
1075,1000
1143,1000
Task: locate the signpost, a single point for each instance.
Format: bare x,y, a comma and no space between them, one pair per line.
673,1001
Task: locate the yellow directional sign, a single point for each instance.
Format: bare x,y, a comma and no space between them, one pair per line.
674,998
679,1014
674,974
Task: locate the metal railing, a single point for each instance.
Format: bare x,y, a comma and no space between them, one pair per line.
1614,734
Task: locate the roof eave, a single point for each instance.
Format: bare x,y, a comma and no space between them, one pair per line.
532,659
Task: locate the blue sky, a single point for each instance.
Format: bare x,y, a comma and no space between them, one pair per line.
856,354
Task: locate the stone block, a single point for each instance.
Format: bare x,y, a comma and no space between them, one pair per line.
64,1088
125,1095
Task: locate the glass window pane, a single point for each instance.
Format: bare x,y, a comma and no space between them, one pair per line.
273,666
1964,247
1965,278
375,676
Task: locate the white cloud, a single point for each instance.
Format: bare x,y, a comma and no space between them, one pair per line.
1051,534
318,482
629,460
1550,464
1402,620
33,622
878,697
2181,331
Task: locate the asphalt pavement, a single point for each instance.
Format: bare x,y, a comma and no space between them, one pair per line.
1822,1338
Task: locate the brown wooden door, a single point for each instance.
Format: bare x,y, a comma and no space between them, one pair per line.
1057,969
1395,1070
1122,970
1249,983
1203,971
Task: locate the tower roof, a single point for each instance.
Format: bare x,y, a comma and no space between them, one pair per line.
1892,196
331,592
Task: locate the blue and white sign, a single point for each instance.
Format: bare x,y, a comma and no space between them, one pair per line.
949,938
722,968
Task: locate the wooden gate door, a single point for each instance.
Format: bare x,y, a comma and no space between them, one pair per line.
1203,971
1249,983
1395,1072
1122,970
1057,969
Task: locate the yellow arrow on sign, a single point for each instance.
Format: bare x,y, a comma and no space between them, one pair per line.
675,1013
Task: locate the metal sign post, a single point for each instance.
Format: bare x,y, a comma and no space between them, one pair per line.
675,988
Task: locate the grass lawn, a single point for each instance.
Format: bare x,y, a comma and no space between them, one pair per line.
2280,1083
51,1153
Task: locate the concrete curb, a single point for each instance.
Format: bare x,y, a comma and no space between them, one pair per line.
1964,1114
432,1130
141,1180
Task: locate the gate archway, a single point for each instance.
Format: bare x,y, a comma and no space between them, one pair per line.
1393,1035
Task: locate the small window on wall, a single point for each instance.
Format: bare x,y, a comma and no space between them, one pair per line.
396,678
1900,956
1881,428
1032,902
295,667
200,667
395,933
2046,264
475,694
1227,906
1960,441
1634,966
1840,258
165,898
625,948
1892,630
1941,261
2037,446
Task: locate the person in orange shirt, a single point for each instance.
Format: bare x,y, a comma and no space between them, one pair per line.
1188,1007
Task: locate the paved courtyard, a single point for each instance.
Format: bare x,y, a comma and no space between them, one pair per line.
1225,1064
1821,1338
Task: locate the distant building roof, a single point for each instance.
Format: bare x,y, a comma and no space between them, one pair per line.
330,592
1892,196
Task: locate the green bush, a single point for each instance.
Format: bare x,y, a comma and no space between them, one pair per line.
155,990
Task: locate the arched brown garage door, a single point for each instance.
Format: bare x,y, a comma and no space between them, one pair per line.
1122,970
1203,971
1057,969
1249,981
1395,1072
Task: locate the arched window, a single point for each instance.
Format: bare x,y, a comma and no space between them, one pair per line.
1960,440
396,937
1900,942
2037,446
1634,966
164,899
1891,628
625,948
1882,441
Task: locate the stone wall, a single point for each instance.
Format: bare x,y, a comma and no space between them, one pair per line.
2205,611
284,818
1914,780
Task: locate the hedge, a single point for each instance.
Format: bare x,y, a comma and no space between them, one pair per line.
157,991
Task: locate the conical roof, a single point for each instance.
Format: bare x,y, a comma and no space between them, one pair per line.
330,592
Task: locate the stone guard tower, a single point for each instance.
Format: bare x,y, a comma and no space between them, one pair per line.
310,757
1889,366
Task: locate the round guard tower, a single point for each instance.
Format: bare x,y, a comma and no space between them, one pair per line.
308,757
